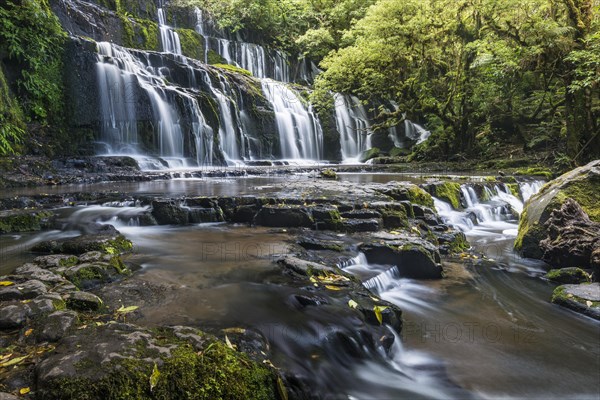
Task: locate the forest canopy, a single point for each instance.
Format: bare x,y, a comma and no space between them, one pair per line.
476,72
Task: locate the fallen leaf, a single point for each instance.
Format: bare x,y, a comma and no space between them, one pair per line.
330,287
352,303
588,303
28,332
283,395
6,283
378,314
24,390
228,342
125,310
14,361
4,357
235,330
154,377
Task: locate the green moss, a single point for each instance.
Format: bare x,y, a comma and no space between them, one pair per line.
215,58
118,245
233,68
514,189
328,173
24,221
217,372
568,275
535,171
148,34
68,262
448,192
393,219
369,154
419,196
192,43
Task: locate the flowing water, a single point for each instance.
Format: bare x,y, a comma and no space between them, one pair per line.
482,332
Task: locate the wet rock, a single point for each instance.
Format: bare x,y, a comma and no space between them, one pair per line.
326,217
56,260
13,316
452,242
311,243
111,242
167,212
89,275
572,237
583,298
304,267
34,272
282,216
306,300
361,214
22,291
84,301
24,220
204,215
328,173
581,184
568,275
446,191
417,259
8,396
390,314
57,325
362,225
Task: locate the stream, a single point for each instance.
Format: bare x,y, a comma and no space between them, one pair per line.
485,331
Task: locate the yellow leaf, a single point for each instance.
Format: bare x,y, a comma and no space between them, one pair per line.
283,395
235,330
378,314
352,303
28,332
24,390
125,310
14,361
154,377
313,280
333,287
228,342
394,232
588,303
4,357
6,283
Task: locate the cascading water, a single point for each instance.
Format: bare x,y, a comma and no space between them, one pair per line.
124,75
353,125
300,133
168,37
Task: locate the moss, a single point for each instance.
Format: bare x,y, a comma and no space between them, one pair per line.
448,192
24,221
514,189
233,68
217,372
147,34
117,263
568,275
68,261
120,244
215,58
369,154
192,43
393,219
535,171
419,196
328,173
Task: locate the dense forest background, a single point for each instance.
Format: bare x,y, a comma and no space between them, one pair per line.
483,76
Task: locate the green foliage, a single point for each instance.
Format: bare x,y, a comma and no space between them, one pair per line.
11,120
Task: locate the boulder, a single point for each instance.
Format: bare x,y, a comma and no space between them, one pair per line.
581,184
583,298
84,301
572,237
284,216
415,258
166,212
568,275
13,316
57,325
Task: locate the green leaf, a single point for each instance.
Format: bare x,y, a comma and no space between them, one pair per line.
125,310
14,361
154,377
281,389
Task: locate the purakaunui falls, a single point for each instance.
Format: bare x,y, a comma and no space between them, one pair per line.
169,111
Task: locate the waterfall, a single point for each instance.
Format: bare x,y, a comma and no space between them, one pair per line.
353,126
300,133
415,131
500,210
260,61
123,76
168,37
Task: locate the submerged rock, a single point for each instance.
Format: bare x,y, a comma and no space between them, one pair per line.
581,184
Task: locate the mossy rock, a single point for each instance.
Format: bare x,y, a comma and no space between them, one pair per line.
568,275
535,171
328,173
369,154
581,184
192,43
24,221
446,191
583,298
233,68
215,58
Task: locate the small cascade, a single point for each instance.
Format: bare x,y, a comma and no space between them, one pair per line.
528,189
499,210
353,125
168,37
383,281
300,133
415,131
